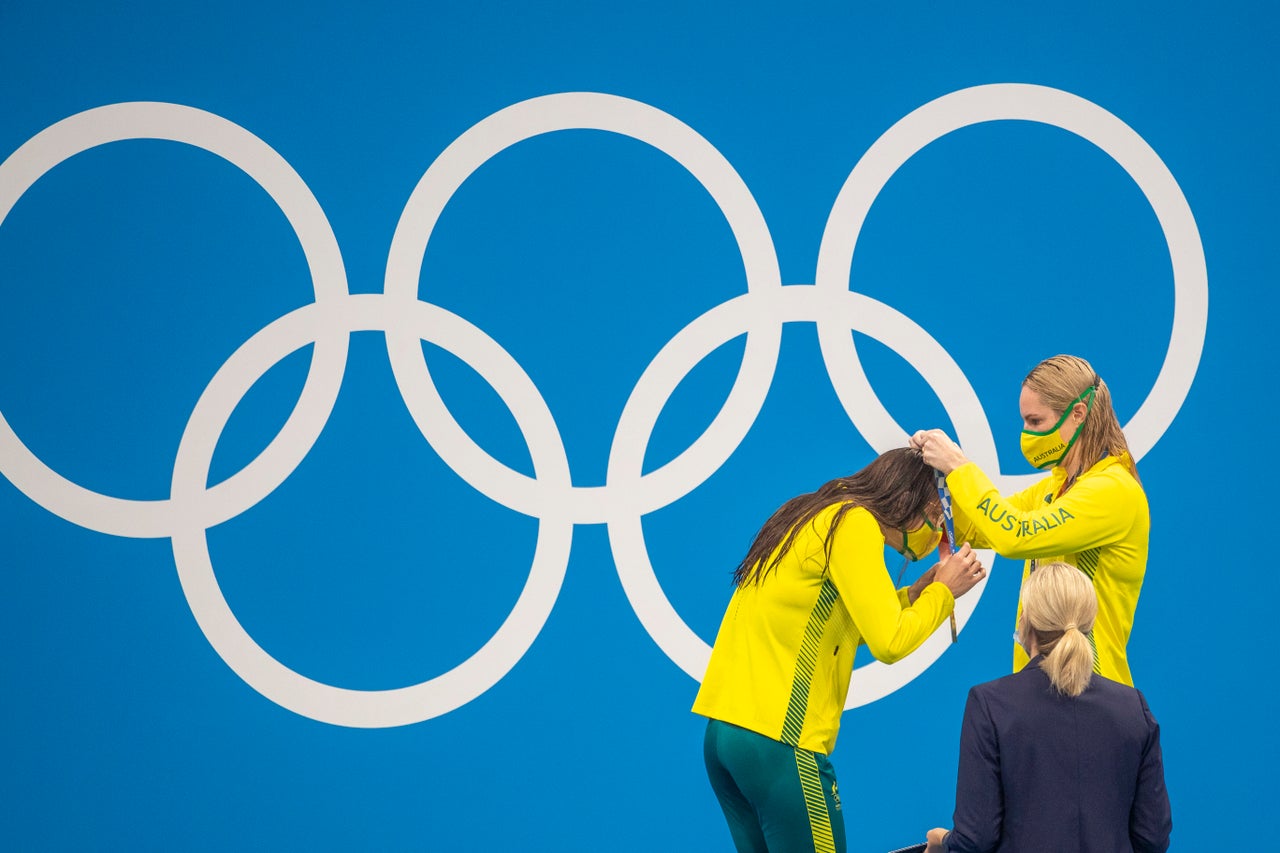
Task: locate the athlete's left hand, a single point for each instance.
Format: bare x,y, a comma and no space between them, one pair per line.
918,587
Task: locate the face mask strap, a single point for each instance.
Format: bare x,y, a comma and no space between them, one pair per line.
1091,392
1088,393
909,552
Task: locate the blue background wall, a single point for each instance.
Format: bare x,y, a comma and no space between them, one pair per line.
131,272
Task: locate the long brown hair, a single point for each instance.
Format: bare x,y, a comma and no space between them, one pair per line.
1059,381
897,488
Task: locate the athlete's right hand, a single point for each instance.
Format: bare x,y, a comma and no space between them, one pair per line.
961,571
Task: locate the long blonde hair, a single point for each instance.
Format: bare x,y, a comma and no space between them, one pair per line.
1058,607
1060,381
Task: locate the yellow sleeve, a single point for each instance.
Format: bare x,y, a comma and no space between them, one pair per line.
857,569
1098,510
968,522
904,601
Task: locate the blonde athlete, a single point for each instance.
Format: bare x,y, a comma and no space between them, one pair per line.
1090,511
811,589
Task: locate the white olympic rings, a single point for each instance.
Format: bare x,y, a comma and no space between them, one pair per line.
193,507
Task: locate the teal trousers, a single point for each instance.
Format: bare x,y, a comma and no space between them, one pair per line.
776,798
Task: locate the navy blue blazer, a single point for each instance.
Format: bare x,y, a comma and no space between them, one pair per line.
1041,772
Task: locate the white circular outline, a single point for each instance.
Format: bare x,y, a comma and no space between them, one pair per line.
1043,105
906,138
176,123
267,675
793,303
471,150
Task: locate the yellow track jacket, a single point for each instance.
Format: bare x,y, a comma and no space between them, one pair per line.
1100,526
784,653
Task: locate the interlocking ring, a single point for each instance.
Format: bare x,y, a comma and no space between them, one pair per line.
628,494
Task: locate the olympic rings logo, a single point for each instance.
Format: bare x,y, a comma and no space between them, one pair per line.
193,507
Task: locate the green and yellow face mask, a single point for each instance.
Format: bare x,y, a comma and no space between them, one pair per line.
1046,449
919,542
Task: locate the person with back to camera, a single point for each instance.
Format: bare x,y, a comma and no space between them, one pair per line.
812,587
1055,759
1090,511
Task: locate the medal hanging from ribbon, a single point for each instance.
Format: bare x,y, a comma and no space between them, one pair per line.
948,532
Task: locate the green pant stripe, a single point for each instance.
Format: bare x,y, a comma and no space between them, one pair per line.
816,803
805,663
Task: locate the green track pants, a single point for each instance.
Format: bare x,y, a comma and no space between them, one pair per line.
776,798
